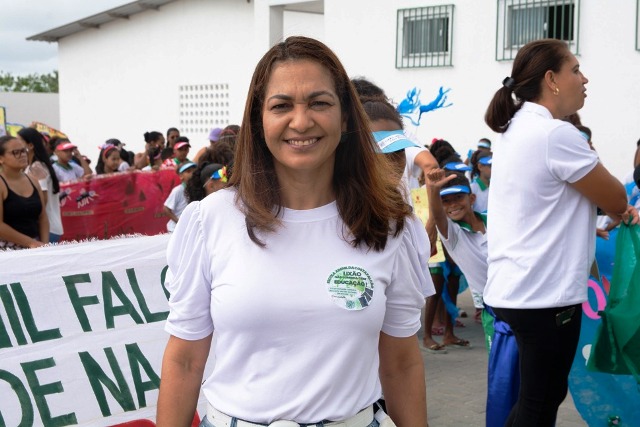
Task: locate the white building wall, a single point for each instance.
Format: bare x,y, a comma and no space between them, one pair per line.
123,79
363,34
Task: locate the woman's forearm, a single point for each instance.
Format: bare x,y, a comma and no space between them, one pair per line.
182,369
9,234
403,381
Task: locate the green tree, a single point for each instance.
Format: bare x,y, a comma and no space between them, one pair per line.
47,83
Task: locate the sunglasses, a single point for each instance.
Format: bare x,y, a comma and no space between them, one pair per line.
18,153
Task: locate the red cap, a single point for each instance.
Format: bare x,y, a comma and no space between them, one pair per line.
65,146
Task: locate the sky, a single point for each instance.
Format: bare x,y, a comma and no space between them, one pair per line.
20,19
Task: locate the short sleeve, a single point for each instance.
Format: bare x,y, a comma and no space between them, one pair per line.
189,279
410,282
171,199
453,231
569,157
411,153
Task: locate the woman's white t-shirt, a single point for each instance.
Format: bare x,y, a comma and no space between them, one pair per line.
297,322
542,240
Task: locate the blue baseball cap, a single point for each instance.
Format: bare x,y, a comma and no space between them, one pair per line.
390,141
186,166
484,144
455,189
486,160
457,166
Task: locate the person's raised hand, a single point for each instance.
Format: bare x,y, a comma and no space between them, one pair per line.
436,178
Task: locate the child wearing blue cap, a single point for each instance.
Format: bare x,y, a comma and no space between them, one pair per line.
177,201
481,179
462,231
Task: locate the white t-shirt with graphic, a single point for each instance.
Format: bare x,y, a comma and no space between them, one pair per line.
542,240
297,322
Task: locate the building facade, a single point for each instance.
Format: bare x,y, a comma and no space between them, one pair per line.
188,63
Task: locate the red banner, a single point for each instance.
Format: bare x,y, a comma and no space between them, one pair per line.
111,205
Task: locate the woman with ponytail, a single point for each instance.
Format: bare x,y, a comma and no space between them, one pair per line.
545,186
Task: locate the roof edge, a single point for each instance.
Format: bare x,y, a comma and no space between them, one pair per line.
96,21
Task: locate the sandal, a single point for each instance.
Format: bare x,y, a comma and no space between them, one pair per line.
459,324
437,349
437,330
459,343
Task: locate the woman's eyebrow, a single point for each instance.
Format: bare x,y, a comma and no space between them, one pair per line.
315,94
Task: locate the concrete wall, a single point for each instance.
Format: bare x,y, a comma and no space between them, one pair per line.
24,108
124,78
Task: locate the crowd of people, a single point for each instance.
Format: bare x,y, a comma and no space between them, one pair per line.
50,161
309,250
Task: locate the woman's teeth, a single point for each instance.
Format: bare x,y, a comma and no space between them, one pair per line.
301,143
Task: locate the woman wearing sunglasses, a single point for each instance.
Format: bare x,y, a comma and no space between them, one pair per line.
23,219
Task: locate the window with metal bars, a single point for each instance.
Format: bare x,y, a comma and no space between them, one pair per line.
424,37
522,21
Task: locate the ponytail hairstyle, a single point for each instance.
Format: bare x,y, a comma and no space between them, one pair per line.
35,138
152,136
525,83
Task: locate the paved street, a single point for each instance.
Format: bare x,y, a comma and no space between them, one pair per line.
457,385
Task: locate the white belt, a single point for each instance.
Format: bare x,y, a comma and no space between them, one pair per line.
361,419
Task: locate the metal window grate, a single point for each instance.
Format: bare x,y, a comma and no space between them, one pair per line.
522,21
425,37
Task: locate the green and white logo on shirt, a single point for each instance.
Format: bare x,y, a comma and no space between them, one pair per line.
350,287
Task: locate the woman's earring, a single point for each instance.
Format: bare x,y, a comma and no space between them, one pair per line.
556,91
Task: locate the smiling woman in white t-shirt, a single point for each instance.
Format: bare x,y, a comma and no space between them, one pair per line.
310,268
545,186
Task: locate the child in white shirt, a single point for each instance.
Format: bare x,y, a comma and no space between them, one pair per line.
177,202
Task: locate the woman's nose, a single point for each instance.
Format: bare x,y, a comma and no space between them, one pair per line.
301,119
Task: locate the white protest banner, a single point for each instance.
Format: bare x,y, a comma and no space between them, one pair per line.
81,333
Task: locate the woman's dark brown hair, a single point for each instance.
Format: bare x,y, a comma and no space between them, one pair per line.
532,62
381,109
368,199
